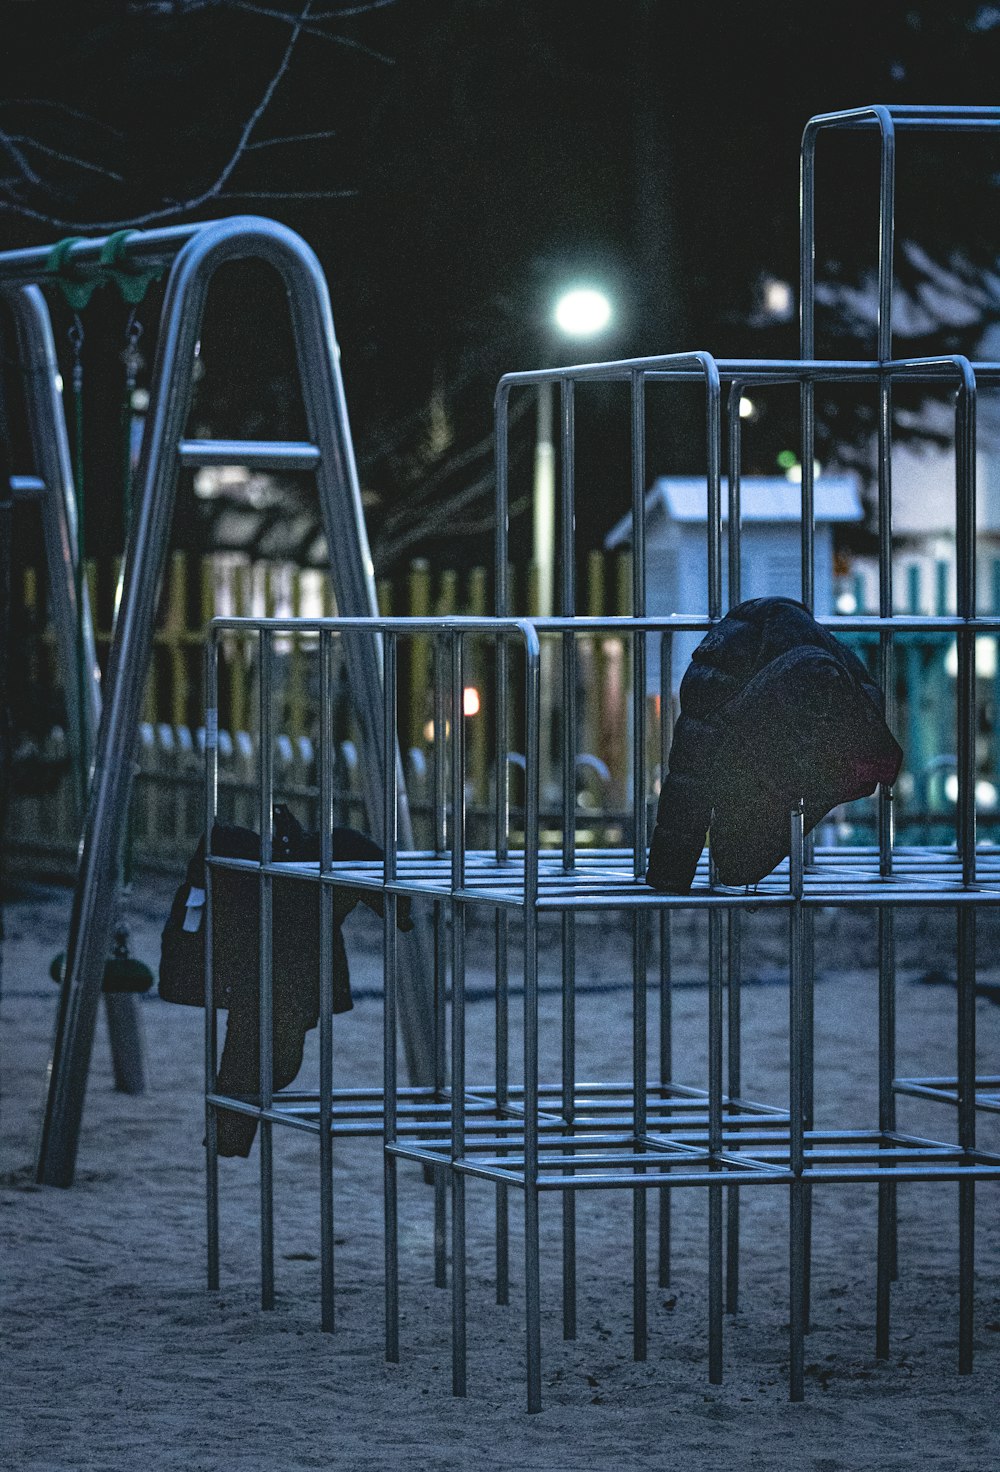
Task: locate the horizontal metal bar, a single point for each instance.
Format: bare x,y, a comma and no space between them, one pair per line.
27,487
260,454
757,370
144,247
611,885
613,1180
911,116
620,624
946,1092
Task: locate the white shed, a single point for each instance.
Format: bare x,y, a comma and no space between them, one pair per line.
771,560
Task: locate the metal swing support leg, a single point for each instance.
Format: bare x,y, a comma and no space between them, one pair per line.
330,455
52,487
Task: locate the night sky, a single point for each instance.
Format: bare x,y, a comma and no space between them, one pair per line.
480,155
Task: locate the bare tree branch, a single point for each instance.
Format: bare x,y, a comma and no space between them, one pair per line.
433,522
430,484
310,30
212,192
18,159
63,107
289,194
349,10
170,7
345,13
290,138
66,158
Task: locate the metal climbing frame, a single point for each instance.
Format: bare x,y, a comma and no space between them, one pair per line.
557,1131
196,252
557,1134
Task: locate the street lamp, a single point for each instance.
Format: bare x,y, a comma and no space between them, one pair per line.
583,311
580,312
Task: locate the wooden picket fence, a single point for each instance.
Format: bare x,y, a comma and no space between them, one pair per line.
167,809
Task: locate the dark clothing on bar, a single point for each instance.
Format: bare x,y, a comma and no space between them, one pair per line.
295,953
773,709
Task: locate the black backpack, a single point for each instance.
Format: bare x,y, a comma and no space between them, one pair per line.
236,919
295,953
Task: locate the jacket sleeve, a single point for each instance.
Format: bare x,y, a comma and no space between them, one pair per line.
684,811
717,671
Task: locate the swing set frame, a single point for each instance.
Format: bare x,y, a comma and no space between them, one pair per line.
191,254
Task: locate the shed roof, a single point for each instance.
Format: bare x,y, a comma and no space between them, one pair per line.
762,498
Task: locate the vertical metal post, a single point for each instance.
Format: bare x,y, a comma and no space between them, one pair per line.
501,943
440,926
458,1267
638,705
965,547
265,760
639,1015
532,1283
390,972
965,570
713,448
734,529
887,1123
501,1073
714,1145
966,918
501,784
666,1070
326,899
568,760
211,797
734,1083
639,1125
797,1244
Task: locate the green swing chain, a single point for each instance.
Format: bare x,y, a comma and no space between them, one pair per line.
80,576
76,407
130,357
78,284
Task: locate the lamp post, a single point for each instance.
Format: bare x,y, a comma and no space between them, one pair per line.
581,312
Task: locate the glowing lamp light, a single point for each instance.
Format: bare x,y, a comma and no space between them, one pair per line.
779,299
794,473
986,659
747,408
582,312
470,701
986,792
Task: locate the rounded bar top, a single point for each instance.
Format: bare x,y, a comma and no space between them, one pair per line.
687,368
907,115
31,264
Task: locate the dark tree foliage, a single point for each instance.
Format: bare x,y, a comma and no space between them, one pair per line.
456,161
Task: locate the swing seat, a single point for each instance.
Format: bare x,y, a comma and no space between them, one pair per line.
121,974
33,774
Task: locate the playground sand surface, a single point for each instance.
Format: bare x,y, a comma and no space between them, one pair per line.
114,1355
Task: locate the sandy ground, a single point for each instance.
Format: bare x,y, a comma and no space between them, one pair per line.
115,1356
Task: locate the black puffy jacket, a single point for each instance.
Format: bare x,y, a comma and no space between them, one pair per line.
295,953
773,708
